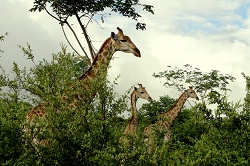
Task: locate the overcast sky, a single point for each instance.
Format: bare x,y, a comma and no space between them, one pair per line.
207,34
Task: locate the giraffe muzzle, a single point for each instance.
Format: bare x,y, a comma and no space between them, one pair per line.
137,52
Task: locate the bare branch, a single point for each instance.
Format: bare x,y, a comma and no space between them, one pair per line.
49,12
69,42
65,21
92,53
72,30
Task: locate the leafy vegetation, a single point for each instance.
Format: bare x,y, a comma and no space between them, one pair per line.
89,134
207,84
200,136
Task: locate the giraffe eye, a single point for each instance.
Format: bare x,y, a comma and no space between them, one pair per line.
123,40
141,92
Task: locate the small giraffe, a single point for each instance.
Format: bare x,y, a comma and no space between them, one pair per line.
131,128
133,121
166,119
117,42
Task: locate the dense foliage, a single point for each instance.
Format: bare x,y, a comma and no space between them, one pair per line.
73,135
200,136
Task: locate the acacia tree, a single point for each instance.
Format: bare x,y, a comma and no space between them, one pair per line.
209,85
62,10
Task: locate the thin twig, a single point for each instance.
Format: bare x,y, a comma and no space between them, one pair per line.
69,42
72,30
65,21
49,12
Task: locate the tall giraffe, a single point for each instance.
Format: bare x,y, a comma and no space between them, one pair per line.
166,119
133,121
117,42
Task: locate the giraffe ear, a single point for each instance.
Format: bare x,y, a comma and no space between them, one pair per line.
119,30
113,36
135,88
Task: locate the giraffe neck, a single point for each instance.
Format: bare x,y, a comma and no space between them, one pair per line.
96,72
133,121
101,61
171,115
134,109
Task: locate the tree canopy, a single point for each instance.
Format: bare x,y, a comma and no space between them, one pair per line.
205,83
62,10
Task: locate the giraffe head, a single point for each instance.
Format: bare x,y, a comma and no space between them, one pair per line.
191,93
123,43
142,93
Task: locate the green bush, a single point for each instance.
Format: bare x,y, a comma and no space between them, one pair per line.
89,133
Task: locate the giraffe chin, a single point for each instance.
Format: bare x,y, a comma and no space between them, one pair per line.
137,55
134,53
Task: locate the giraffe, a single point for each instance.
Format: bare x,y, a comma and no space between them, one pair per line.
166,119
131,128
133,121
117,42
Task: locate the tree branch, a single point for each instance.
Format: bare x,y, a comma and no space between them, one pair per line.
72,30
86,36
48,11
66,22
69,42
